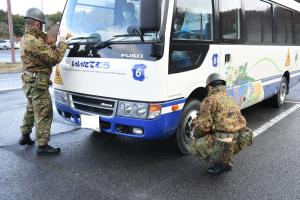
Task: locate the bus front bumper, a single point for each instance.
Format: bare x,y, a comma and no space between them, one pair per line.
161,127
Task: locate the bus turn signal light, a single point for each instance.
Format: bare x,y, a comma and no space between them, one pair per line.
175,107
154,110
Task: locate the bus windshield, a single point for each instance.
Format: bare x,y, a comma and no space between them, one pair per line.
102,19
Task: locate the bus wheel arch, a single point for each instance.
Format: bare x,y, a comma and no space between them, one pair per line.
287,76
279,98
183,134
199,93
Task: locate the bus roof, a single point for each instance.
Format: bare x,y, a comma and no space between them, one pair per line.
293,4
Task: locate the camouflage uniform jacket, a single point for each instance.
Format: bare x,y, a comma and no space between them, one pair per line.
36,55
218,113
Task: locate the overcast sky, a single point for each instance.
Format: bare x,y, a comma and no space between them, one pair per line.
20,6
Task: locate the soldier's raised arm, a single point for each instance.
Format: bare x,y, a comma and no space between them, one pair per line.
48,54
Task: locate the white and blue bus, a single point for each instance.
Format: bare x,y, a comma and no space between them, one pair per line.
138,67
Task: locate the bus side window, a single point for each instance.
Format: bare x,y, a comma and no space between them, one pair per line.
230,19
258,21
283,25
192,24
181,60
193,20
296,29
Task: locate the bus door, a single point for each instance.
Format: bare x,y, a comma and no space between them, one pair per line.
191,36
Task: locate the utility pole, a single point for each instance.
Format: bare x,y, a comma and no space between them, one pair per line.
42,5
11,32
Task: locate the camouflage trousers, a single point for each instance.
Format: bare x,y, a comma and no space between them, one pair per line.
214,150
39,111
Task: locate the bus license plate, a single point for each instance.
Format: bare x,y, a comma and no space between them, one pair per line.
90,122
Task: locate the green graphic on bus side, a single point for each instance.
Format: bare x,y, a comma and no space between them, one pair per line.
237,76
244,88
247,89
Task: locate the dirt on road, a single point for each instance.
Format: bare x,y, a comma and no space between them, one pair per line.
10,68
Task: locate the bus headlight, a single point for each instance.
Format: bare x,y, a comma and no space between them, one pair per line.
138,110
61,97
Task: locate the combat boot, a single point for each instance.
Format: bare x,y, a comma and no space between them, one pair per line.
25,139
218,169
47,150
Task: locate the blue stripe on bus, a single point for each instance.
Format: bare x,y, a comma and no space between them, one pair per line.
271,89
166,124
279,76
270,78
294,72
162,127
294,80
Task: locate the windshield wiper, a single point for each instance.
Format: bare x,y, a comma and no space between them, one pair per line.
109,41
80,38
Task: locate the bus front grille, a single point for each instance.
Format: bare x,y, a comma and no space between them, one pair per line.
94,105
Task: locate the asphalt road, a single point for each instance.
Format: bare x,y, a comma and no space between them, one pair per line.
10,81
101,166
5,55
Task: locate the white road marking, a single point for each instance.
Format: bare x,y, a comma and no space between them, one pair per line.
7,89
294,102
275,120
296,74
18,105
10,79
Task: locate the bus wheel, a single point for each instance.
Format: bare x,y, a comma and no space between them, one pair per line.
279,98
184,135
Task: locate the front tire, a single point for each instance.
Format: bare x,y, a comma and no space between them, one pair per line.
280,96
5,48
184,135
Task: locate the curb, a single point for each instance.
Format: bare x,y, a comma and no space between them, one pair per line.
10,89
11,72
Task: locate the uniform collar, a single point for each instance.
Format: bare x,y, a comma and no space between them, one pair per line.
218,89
36,32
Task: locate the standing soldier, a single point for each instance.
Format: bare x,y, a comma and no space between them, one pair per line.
38,58
220,128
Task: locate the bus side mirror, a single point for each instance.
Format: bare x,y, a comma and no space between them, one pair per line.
150,15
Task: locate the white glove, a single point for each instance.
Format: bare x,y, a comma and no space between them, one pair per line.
64,37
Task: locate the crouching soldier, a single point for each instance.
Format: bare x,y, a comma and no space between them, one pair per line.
220,129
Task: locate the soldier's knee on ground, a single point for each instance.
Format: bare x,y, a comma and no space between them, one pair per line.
223,150
202,148
192,148
245,139
196,147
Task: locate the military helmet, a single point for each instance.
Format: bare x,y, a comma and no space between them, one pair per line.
215,77
36,14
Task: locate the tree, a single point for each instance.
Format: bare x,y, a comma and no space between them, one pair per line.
3,16
56,17
19,23
19,27
3,24
53,19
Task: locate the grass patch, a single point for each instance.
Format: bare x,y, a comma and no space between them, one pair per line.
9,68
